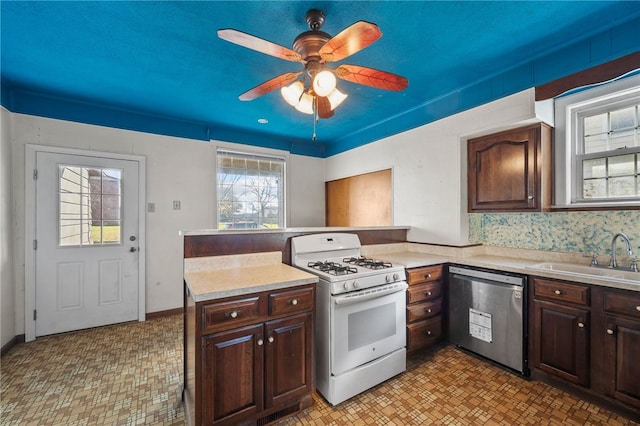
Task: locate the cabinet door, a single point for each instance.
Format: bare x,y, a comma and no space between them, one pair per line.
503,171
622,348
561,341
232,365
288,346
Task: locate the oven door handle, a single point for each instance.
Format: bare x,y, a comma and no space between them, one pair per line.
368,294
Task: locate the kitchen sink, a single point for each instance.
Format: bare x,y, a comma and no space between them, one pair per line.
574,269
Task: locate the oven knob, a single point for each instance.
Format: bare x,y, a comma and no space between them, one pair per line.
356,284
396,277
388,278
346,285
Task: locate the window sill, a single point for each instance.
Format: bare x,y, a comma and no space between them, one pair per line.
629,205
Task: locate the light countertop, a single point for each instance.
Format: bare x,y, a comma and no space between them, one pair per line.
216,277
404,254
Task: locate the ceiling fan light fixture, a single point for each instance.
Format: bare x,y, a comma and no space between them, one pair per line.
324,83
336,97
292,93
305,105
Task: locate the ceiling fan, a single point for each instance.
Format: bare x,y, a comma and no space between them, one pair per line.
313,90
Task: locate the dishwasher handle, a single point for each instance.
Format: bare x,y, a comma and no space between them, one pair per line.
490,276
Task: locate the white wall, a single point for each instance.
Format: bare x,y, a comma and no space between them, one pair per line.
177,169
7,258
429,167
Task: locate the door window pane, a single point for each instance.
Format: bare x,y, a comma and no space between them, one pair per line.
90,205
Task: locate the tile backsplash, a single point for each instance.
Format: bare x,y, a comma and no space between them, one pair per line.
574,232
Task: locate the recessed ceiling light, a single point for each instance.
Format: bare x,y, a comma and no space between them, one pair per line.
263,120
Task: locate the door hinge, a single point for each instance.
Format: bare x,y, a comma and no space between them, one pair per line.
35,174
35,244
35,314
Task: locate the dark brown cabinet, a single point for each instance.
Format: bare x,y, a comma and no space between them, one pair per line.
561,329
248,359
425,305
510,170
622,346
590,336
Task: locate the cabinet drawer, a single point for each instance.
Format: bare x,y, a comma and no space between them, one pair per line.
424,310
425,274
231,313
426,291
561,291
424,332
622,303
288,302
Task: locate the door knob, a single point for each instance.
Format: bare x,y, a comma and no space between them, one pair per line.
133,249
132,238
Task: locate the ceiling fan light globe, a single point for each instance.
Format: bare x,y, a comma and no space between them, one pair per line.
336,97
324,83
292,93
306,104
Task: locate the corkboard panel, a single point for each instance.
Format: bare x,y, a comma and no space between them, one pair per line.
362,200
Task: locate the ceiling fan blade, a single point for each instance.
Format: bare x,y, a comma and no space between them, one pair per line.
268,86
324,107
349,41
256,43
371,77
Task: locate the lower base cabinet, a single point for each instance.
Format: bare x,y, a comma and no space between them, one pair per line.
588,336
241,366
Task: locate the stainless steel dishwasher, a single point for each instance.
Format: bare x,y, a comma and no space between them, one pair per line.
487,315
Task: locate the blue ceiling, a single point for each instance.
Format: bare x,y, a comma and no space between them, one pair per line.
159,67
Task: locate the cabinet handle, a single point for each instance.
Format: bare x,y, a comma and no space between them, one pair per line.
270,339
609,331
294,302
260,342
558,292
581,324
427,276
233,314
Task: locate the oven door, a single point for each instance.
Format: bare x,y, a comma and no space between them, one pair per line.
366,325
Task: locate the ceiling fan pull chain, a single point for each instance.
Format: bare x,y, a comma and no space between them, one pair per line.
315,118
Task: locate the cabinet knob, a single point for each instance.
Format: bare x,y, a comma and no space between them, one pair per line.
558,292
270,339
233,314
260,342
530,197
581,324
427,276
428,310
609,331
638,308
428,293
429,333
294,302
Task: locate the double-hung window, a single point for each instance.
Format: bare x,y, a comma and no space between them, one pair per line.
250,190
598,153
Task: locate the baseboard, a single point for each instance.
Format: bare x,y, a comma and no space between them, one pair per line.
161,314
11,343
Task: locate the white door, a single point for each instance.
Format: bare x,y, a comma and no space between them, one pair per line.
86,245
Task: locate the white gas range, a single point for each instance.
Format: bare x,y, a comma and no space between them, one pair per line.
360,333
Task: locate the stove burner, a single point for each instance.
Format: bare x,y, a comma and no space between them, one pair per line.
367,263
333,268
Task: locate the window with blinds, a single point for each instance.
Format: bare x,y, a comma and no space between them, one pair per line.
250,190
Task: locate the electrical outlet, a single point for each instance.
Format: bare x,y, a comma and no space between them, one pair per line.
151,207
176,205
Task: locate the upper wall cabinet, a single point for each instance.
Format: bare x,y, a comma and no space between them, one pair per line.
511,171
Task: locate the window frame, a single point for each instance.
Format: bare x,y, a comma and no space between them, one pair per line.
260,154
569,111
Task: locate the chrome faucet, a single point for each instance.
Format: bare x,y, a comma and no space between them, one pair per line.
613,263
